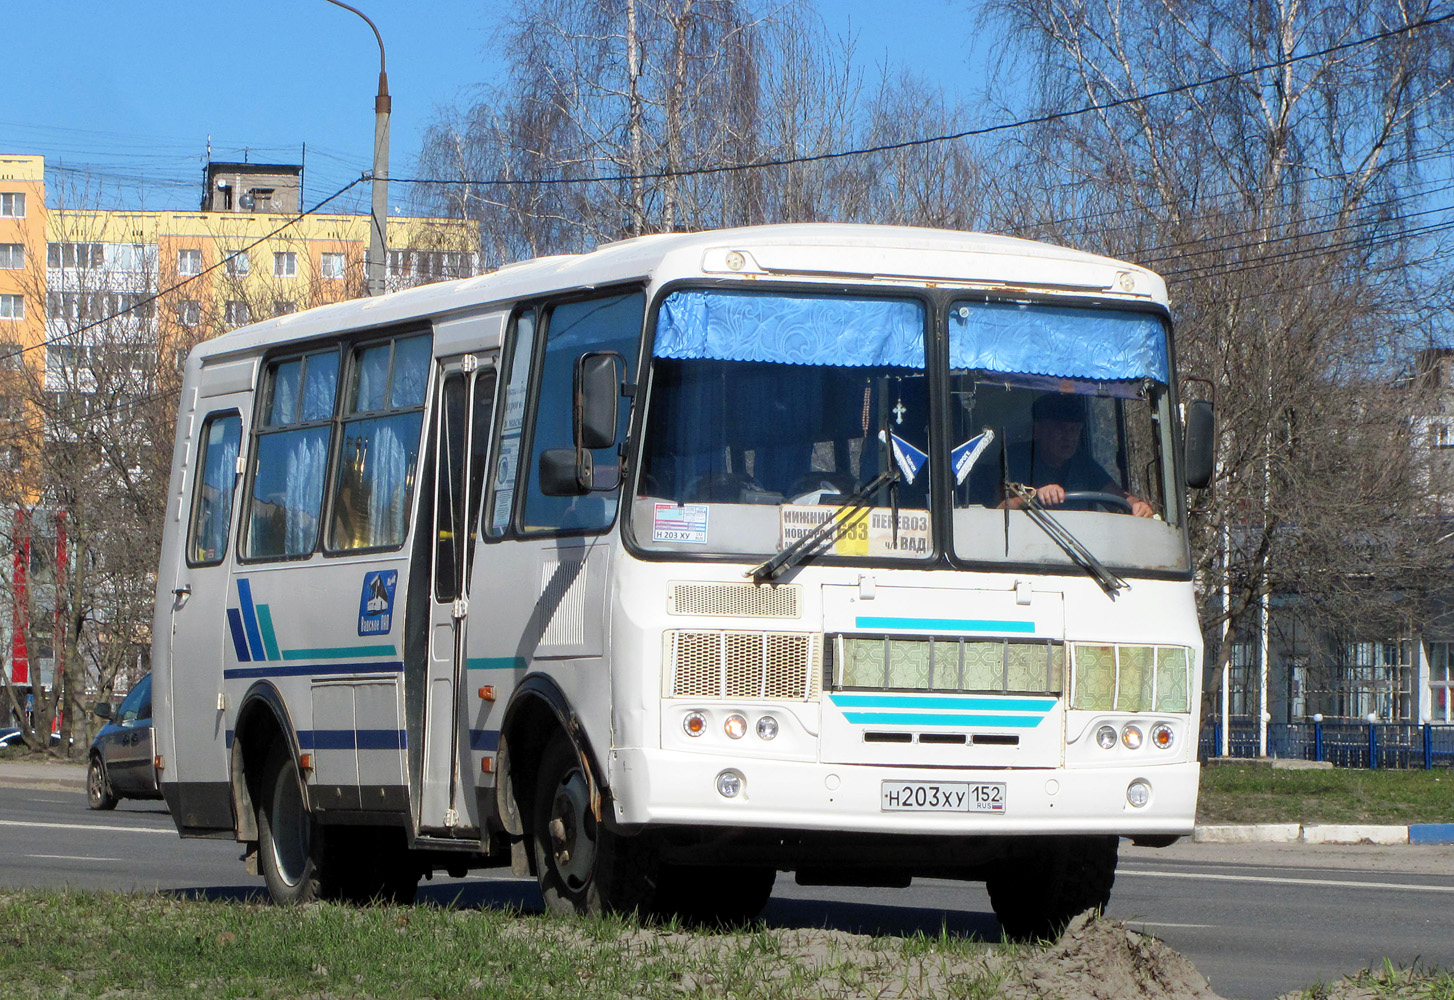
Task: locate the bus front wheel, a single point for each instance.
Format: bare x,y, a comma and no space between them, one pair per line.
1037,894
286,852
583,867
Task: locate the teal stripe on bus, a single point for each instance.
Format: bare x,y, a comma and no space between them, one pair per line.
270,638
972,704
948,624
495,663
943,719
338,652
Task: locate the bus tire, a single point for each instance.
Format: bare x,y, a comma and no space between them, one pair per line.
584,868
713,895
287,841
1037,895
98,785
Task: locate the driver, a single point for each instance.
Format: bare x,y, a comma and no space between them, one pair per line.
1055,460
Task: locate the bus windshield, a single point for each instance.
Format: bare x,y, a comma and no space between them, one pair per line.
769,411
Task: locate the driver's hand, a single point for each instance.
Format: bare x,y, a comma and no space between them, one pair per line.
1140,507
1050,496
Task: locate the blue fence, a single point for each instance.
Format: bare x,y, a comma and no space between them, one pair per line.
1345,744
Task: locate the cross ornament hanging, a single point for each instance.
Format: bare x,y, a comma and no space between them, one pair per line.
899,412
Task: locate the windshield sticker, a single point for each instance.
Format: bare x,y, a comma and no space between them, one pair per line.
862,532
376,602
962,459
680,523
910,459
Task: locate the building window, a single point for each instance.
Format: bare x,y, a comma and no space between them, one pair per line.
259,200
12,307
1441,681
285,264
431,265
189,312
238,264
10,355
189,261
130,256
332,265
282,307
12,205
12,256
236,313
81,255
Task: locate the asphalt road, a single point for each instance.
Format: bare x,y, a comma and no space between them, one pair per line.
1258,921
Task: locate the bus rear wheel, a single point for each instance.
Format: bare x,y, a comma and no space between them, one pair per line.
1037,894
584,868
286,841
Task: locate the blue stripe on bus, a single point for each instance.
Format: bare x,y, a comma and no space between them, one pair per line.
239,641
945,719
947,624
352,739
972,704
487,740
308,669
249,619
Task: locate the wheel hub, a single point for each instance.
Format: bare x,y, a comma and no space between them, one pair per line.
572,831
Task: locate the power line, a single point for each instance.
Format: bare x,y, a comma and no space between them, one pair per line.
933,140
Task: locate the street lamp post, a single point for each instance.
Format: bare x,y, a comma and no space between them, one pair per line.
379,216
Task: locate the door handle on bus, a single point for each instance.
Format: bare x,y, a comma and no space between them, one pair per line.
180,594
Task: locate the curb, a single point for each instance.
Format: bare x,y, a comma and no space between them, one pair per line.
1326,833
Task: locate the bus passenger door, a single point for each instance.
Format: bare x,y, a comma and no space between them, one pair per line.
462,416
196,773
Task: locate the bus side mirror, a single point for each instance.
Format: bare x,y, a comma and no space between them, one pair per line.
598,395
566,472
1200,443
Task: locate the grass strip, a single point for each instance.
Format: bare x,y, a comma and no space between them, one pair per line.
1234,793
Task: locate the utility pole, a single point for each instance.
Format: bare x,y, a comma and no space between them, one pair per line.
375,269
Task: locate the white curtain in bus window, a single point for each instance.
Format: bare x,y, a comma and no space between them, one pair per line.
382,416
286,493
212,504
609,324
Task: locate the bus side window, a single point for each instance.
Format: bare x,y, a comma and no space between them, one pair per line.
219,442
286,494
500,504
606,324
383,413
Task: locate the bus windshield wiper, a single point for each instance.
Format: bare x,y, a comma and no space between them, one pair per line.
1062,536
853,510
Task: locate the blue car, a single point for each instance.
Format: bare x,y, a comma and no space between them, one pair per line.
122,760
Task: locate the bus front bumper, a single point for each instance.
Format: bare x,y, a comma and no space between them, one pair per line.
655,788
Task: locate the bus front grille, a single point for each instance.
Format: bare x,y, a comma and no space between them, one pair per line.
745,665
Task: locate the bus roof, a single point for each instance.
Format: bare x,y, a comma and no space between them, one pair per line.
805,252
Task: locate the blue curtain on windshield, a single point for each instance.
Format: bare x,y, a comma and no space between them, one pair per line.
1065,342
790,329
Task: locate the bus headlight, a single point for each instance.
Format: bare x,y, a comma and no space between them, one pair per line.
695,723
735,726
766,728
1138,793
729,784
1106,737
1162,736
1132,737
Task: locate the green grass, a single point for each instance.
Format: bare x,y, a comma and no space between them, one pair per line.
62,944
1232,793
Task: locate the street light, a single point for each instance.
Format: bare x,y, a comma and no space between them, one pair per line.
379,216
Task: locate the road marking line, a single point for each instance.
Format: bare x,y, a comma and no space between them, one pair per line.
1274,880
87,826
1154,923
69,857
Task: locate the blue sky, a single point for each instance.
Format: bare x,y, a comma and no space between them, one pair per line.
126,95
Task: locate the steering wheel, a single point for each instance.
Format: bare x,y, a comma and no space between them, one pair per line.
1094,496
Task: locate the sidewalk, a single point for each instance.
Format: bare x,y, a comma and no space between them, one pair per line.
43,774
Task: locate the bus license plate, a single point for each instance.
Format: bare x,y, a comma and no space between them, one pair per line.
943,796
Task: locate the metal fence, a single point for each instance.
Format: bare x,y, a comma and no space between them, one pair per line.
1405,745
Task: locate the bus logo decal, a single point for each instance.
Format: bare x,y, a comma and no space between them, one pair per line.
251,627
376,602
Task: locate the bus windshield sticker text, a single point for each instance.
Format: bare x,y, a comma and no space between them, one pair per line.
866,533
376,603
684,523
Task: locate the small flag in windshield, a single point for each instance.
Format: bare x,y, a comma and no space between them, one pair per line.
910,459
962,459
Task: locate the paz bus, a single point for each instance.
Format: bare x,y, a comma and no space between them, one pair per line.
659,570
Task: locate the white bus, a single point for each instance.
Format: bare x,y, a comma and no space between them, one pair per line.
661,569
